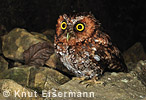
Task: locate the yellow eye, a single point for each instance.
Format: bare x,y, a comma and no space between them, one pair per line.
80,27
63,25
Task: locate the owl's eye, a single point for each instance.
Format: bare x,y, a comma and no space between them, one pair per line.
80,27
63,25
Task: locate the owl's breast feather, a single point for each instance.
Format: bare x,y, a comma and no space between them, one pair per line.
77,61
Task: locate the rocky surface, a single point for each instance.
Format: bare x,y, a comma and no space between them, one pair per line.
52,62
19,74
3,64
118,86
39,78
140,71
17,41
3,31
46,78
10,90
135,53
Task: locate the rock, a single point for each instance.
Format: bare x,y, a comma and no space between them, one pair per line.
140,71
14,91
52,62
46,78
16,64
135,53
8,98
55,63
0,46
2,32
38,78
40,36
118,86
3,64
2,97
19,74
17,41
50,34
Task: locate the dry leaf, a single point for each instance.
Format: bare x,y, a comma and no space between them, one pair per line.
38,54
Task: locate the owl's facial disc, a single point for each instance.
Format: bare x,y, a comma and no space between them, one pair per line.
76,28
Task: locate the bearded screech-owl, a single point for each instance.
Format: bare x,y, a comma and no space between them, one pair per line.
84,49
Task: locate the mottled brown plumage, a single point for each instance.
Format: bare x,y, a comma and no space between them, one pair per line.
83,48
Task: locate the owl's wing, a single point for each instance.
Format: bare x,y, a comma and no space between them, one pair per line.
107,54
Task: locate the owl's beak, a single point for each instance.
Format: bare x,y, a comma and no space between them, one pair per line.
67,36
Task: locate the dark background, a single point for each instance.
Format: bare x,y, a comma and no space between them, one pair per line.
123,20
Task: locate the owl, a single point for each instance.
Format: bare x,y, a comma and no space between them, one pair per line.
84,49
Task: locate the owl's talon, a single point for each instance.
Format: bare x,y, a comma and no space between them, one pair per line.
91,82
79,78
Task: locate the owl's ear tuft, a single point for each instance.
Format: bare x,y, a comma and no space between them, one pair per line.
65,16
